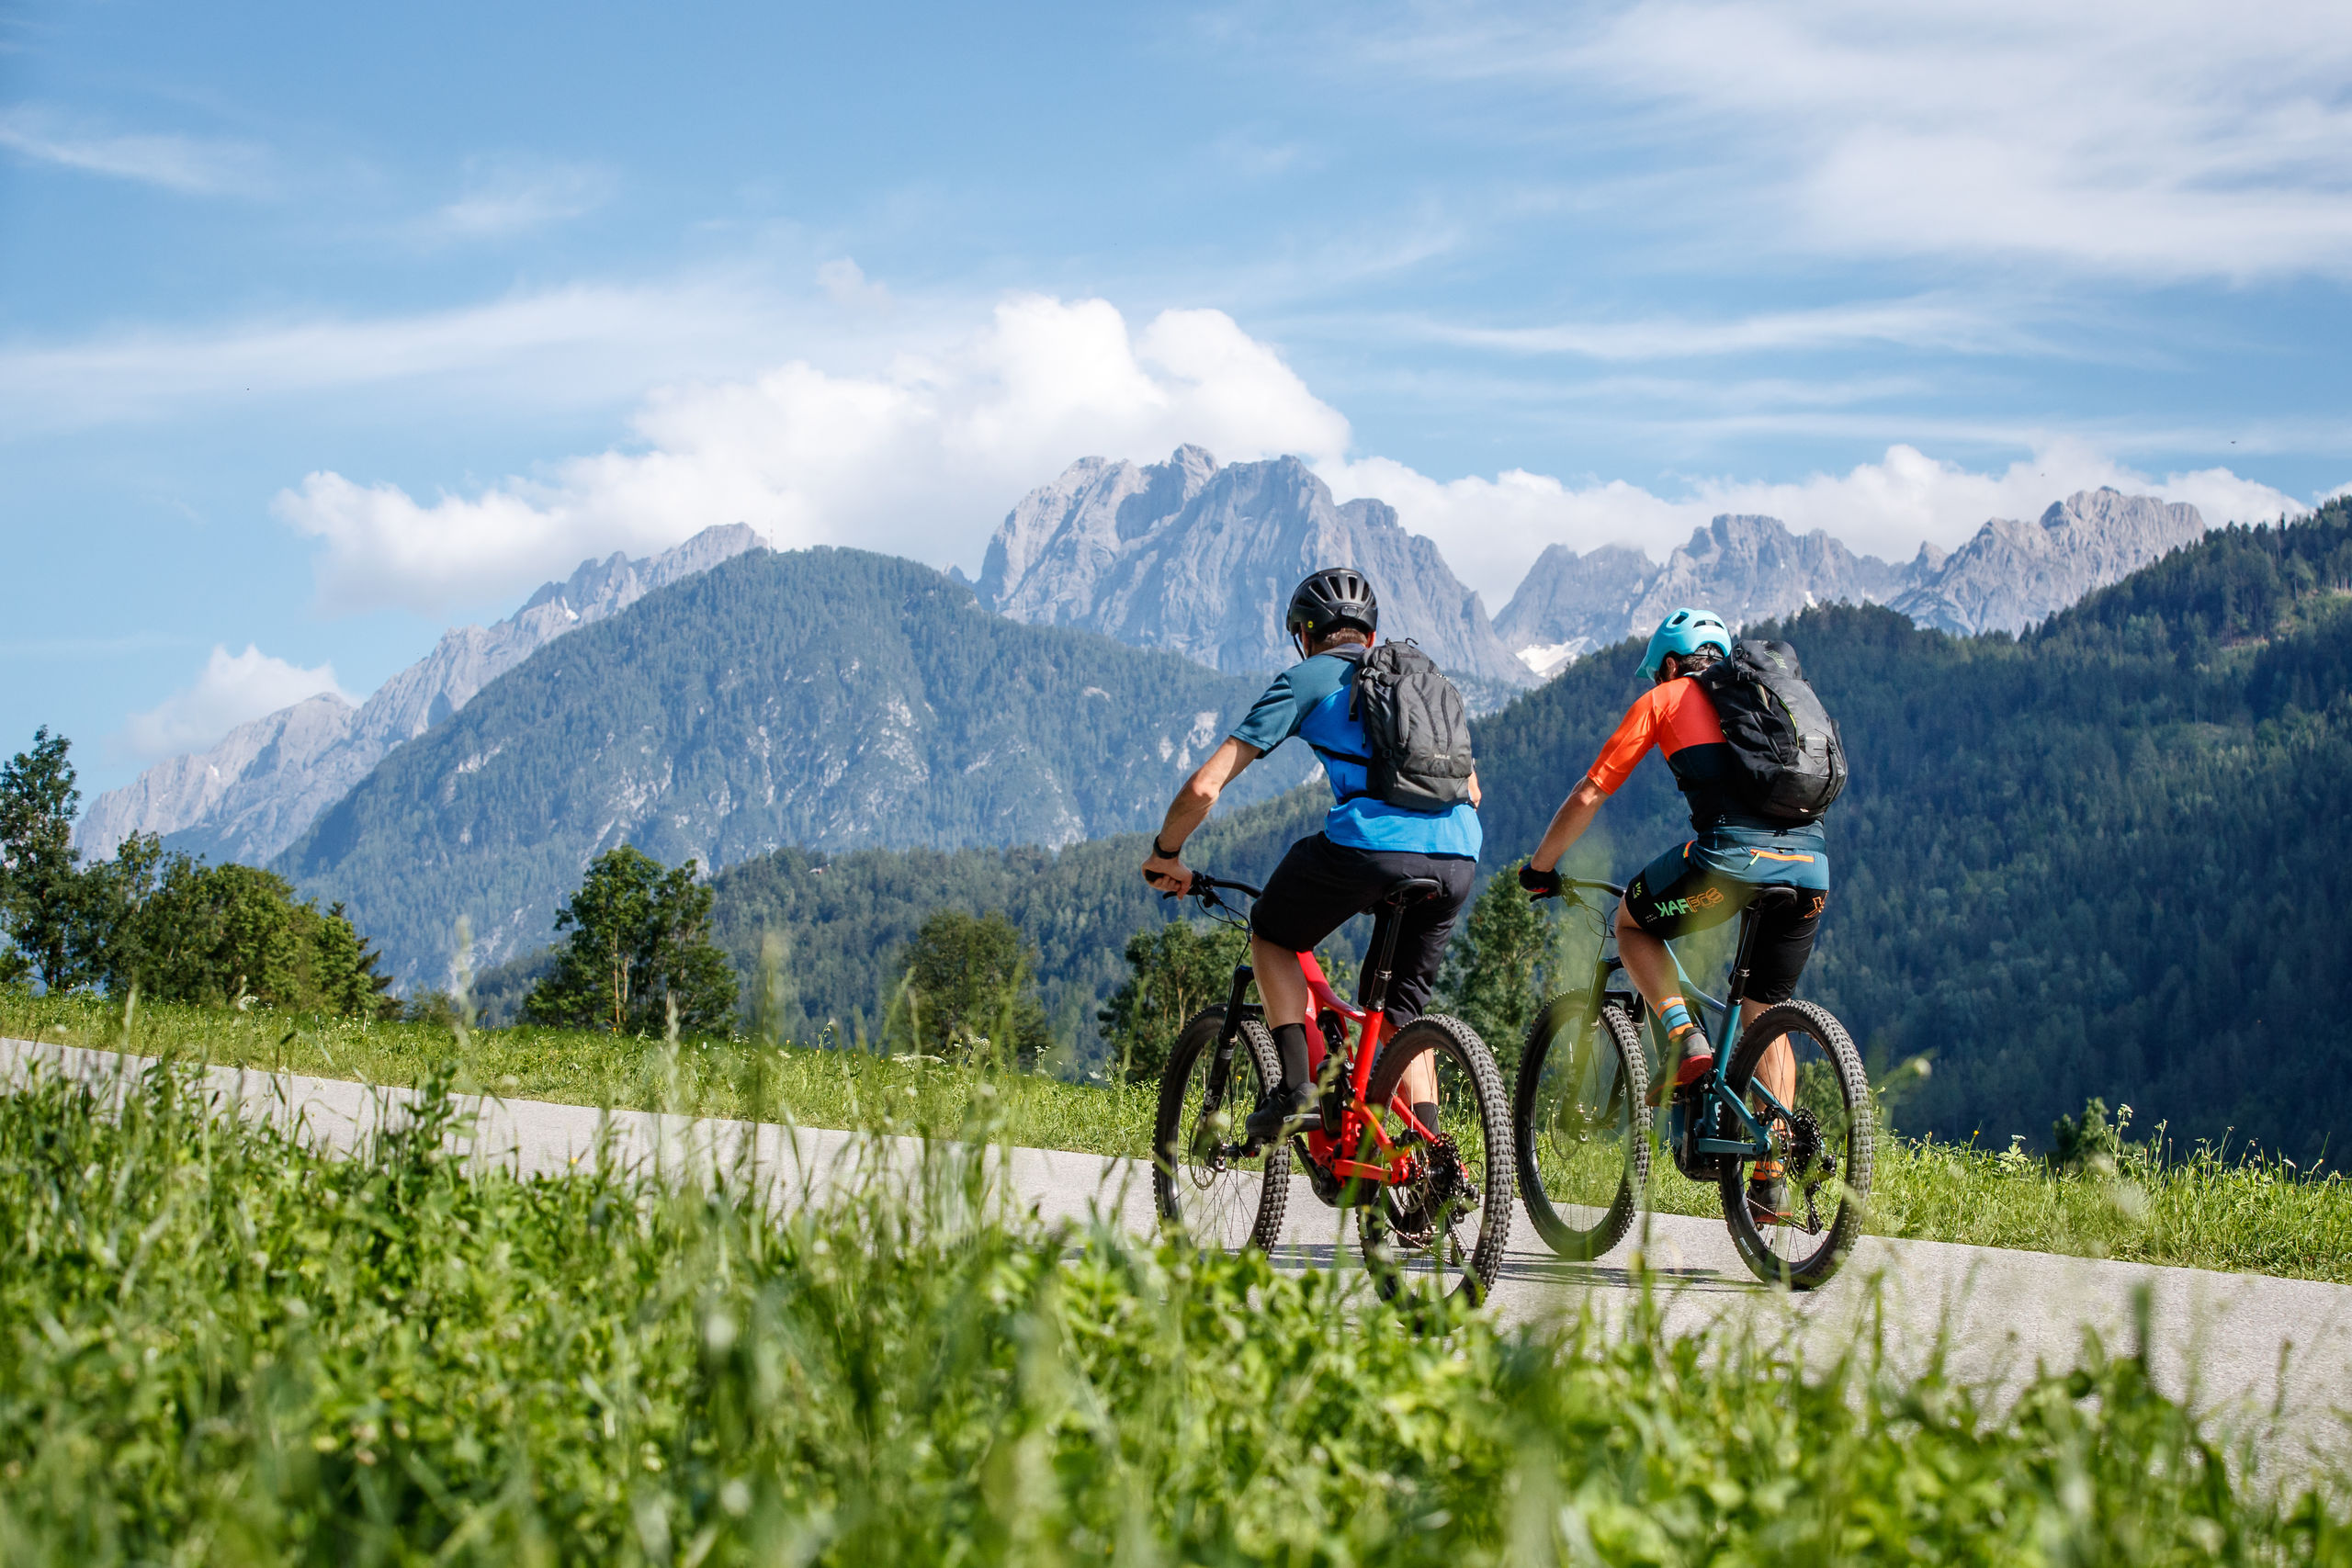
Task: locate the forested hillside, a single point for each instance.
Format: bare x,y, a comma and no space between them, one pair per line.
825,698
2105,857
843,917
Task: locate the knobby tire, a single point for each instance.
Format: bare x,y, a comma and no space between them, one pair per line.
1814,1261
1242,1205
1548,1118
1417,1278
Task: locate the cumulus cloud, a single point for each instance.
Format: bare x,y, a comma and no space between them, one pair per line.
1492,530
920,458
230,689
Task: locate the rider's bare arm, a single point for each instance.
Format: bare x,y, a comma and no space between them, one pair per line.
1568,824
1190,808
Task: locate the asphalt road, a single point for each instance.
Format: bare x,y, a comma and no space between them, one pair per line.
2272,1355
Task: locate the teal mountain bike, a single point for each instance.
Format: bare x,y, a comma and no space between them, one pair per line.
1587,1135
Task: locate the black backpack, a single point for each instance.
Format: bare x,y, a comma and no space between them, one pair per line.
1786,753
1417,729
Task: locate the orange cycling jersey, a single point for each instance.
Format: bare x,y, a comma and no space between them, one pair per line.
1678,718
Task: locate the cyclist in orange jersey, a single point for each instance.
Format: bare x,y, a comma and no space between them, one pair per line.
1731,855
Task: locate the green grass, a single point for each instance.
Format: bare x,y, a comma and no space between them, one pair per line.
221,1348
2195,1209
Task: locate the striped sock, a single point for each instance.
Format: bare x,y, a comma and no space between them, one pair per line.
1674,1015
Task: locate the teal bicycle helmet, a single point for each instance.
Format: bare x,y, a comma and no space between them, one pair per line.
1685,631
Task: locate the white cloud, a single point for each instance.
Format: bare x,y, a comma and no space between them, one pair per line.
1492,530
845,283
1924,322
510,194
920,458
564,345
189,164
2174,139
230,689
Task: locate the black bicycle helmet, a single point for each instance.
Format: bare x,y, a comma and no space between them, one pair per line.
1332,596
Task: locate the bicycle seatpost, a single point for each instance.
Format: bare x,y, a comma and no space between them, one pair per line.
1372,995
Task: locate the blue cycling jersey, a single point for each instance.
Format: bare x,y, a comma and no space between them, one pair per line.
1310,700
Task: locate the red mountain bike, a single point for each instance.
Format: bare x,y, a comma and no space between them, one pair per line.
1433,1204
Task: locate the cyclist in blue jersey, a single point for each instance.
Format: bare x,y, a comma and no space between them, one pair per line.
1365,847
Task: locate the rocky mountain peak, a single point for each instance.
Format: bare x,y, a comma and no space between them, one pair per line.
1189,556
1748,569
1743,567
2013,574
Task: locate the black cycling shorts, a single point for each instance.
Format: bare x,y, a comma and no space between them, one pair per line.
1321,886
1675,896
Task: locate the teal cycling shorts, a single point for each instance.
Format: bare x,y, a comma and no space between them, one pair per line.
1694,886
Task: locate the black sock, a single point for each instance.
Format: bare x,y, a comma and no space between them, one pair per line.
1425,1112
1290,1039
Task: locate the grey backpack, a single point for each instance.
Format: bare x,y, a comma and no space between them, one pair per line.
1785,748
1416,727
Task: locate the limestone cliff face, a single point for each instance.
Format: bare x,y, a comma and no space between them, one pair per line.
1188,556
252,793
2014,574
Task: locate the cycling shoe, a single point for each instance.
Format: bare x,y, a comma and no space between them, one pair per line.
1696,1063
1290,1109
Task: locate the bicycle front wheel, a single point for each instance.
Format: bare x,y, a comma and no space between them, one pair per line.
1580,1125
1201,1182
1441,1235
1823,1144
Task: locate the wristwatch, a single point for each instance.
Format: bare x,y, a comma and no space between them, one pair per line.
1164,854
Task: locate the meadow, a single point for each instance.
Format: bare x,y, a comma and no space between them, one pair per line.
2199,1207
224,1348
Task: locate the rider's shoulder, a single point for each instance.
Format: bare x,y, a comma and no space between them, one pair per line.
1323,674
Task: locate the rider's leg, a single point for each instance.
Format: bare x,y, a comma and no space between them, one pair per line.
1645,958
1783,942
1422,941
1778,1071
1282,985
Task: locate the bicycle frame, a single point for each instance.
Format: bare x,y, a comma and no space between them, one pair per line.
1377,1157
1715,1089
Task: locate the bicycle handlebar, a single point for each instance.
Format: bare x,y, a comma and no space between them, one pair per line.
1579,884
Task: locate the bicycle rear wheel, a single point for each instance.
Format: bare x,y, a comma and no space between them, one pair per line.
1825,1148
1442,1234
1580,1125
1221,1200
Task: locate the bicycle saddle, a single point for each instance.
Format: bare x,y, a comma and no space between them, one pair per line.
1412,890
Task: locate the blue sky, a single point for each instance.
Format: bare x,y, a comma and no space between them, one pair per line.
321,331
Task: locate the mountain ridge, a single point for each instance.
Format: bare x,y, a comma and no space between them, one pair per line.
831,699
251,794
2008,577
